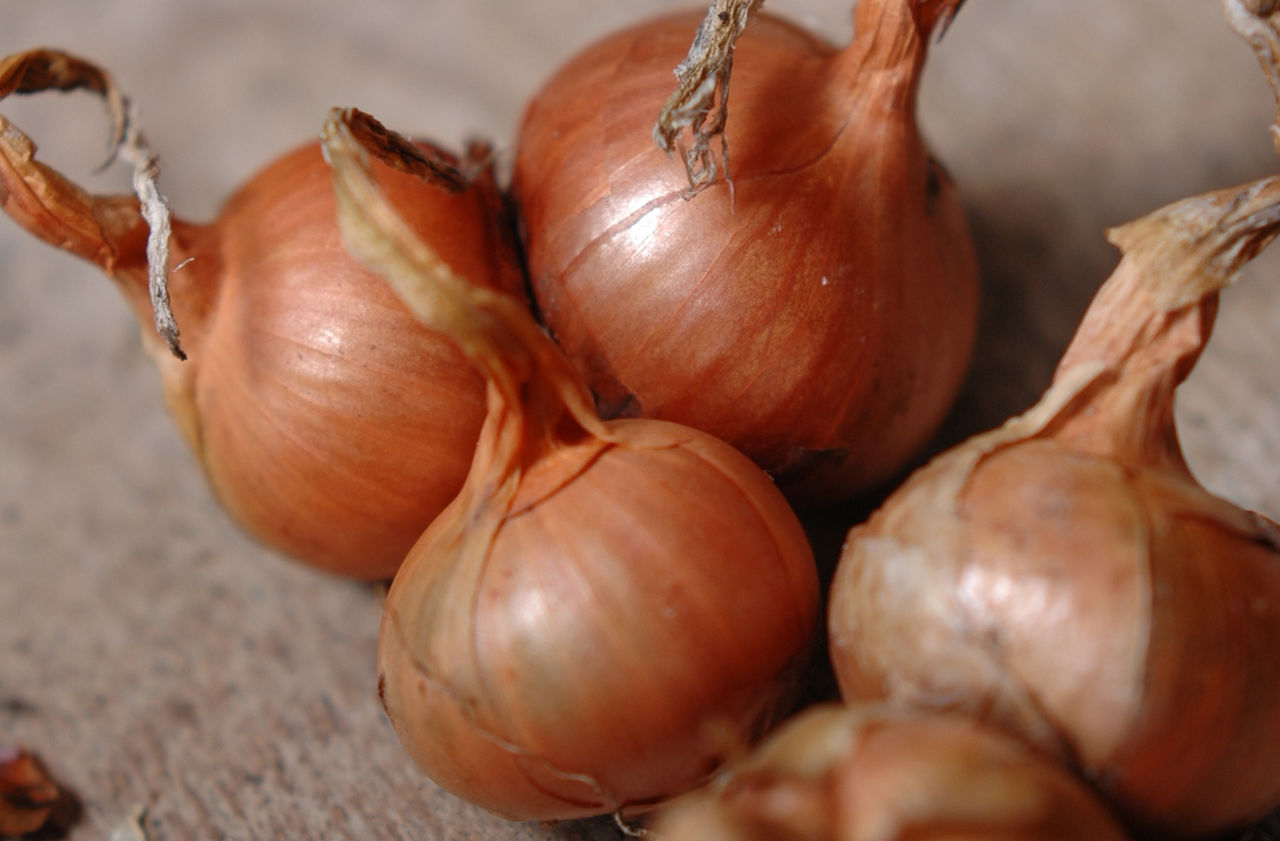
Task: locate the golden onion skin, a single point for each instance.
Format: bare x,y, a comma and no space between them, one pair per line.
330,422
645,608
819,314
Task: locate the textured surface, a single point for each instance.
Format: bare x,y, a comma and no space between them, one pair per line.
152,654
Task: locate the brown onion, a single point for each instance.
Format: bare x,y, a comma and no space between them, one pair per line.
873,774
606,608
330,422
817,311
1067,578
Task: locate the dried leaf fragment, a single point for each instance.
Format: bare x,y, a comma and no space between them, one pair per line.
27,795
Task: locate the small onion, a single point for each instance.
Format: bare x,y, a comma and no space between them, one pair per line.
329,421
607,608
817,307
873,774
1065,576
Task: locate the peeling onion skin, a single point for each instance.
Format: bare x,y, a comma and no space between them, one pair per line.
590,673
1066,578
331,424
869,773
820,317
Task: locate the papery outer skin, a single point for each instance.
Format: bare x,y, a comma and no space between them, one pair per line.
1066,598
331,424
882,775
646,608
825,335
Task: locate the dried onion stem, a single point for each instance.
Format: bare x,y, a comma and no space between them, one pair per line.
700,102
41,70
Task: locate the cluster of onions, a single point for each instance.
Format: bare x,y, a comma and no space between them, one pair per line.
1066,578
837,773
607,608
334,426
329,421
816,306
608,595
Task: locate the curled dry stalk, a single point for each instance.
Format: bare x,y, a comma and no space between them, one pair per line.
700,102
41,70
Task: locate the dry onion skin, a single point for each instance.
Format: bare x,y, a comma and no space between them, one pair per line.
815,304
607,608
1066,577
331,423
27,794
870,773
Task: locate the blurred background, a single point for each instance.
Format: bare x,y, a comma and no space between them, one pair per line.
154,655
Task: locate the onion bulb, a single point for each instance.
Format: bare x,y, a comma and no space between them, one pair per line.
1066,577
330,422
607,608
869,773
816,306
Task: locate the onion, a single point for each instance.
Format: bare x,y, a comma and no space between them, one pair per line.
607,608
329,421
873,774
1065,576
815,309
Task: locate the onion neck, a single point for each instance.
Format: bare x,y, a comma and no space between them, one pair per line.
1149,323
107,231
536,399
537,402
887,54
1127,412
40,70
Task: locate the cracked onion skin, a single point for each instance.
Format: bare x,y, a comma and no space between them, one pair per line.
1065,576
331,424
820,315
